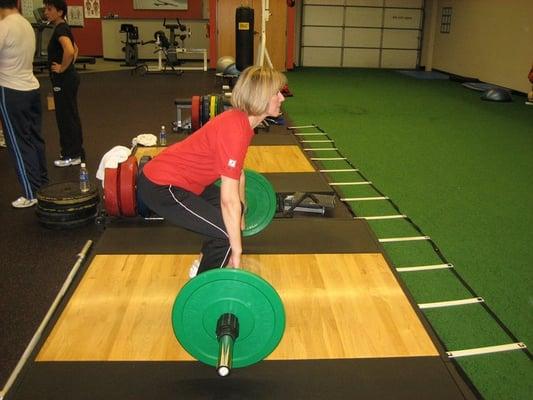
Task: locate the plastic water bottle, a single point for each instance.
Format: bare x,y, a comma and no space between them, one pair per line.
163,136
84,178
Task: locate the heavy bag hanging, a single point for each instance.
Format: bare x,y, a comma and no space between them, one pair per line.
244,37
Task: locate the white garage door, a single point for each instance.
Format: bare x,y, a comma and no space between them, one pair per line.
361,33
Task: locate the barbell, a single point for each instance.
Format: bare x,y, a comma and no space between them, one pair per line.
228,318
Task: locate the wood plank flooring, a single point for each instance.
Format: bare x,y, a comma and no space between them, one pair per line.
337,306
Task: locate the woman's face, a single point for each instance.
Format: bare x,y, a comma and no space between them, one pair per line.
274,105
52,14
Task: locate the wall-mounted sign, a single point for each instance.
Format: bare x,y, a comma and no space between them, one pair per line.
160,4
92,8
75,15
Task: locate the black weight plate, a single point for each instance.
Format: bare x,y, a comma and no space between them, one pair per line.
142,208
205,108
65,193
51,207
68,225
52,217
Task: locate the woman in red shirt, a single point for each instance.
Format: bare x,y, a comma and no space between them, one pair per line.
178,184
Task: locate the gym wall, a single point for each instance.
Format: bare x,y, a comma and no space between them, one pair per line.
490,40
89,37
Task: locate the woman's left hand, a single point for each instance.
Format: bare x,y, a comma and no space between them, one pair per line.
56,68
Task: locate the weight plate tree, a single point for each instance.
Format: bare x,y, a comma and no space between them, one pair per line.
228,317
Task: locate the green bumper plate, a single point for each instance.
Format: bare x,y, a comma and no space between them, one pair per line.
250,298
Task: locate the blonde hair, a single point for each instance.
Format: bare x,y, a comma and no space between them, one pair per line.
254,89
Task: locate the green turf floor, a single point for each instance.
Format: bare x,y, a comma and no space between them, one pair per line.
461,169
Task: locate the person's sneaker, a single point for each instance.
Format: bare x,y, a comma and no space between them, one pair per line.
23,202
2,139
193,271
67,162
529,103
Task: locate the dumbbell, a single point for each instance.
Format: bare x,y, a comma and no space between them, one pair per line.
228,318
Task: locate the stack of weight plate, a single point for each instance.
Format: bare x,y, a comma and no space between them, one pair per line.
64,206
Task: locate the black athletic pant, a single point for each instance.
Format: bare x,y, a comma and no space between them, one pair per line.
200,214
21,120
65,87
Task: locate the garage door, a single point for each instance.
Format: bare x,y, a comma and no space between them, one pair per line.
361,33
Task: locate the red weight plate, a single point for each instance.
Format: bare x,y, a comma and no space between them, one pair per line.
111,188
195,112
128,187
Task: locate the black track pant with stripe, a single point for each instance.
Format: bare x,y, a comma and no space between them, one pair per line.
201,214
21,120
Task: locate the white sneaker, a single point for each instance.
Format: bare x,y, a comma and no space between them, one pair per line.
67,162
193,271
23,202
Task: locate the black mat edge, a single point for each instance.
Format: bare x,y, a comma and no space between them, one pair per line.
383,378
283,236
290,182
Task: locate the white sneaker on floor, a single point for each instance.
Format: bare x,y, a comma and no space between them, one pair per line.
193,271
23,202
67,162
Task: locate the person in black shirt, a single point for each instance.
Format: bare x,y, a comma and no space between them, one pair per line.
62,53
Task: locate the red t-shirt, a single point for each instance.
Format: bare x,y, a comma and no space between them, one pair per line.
217,149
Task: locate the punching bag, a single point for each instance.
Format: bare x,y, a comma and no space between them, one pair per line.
244,37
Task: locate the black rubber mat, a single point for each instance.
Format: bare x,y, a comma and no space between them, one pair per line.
282,236
274,139
290,182
389,378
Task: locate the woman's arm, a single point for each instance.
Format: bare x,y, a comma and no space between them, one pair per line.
242,195
231,214
69,53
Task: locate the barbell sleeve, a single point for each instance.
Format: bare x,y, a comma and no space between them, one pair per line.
227,332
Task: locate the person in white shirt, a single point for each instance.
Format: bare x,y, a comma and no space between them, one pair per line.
20,103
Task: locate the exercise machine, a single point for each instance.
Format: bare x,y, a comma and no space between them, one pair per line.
130,49
167,49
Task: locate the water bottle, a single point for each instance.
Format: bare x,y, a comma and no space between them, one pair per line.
84,178
163,136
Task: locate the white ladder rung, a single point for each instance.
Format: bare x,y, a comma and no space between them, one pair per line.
424,267
311,134
327,158
403,239
364,198
349,183
322,149
378,217
339,170
317,141
486,350
452,303
302,127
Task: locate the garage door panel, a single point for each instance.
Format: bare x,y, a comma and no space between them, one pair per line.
362,37
323,16
400,39
361,58
322,36
399,59
321,57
